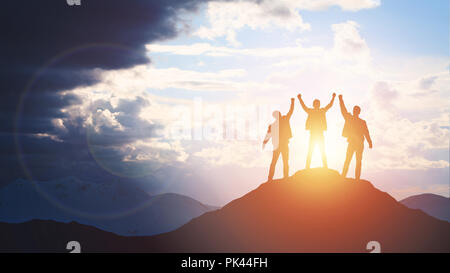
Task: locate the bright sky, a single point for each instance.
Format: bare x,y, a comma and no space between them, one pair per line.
235,63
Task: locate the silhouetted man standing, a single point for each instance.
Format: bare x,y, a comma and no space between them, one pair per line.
316,123
280,132
355,130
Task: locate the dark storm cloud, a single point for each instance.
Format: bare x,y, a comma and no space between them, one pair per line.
48,46
107,34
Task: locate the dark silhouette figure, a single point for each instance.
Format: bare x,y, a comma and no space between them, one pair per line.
355,130
280,132
316,123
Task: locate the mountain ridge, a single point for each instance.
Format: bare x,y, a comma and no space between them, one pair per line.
113,206
314,210
432,204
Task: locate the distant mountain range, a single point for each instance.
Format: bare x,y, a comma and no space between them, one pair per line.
313,211
111,206
435,205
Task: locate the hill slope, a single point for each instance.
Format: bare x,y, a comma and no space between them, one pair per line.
432,204
313,211
50,236
112,206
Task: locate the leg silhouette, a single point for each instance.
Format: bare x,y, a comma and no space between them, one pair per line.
275,156
348,158
285,156
358,163
322,150
316,139
310,151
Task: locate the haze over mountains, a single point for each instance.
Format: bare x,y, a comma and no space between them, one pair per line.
435,205
312,211
111,206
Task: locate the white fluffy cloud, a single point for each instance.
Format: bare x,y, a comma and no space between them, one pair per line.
348,43
226,18
406,126
349,48
124,127
206,49
142,77
348,5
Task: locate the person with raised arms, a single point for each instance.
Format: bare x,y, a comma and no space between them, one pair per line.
356,131
316,124
280,132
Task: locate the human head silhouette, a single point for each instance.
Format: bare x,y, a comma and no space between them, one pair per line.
356,111
316,104
276,115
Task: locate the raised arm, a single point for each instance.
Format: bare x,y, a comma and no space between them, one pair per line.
267,137
367,135
344,111
291,109
299,96
331,103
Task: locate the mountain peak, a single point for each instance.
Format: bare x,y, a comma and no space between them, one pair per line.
315,210
321,187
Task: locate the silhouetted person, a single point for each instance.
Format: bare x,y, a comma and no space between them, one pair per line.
280,132
316,124
355,130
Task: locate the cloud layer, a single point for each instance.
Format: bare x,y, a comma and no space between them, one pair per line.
79,96
51,47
